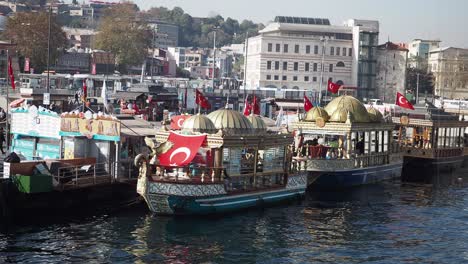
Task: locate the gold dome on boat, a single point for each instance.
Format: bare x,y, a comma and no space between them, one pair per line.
230,121
343,104
257,123
375,115
199,123
315,113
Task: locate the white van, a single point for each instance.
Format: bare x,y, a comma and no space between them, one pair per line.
375,102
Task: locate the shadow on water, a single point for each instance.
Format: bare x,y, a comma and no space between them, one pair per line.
390,222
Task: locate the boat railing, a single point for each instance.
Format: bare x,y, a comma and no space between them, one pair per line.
214,175
433,153
83,175
352,162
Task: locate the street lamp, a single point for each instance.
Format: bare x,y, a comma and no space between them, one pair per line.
46,102
214,56
246,48
324,41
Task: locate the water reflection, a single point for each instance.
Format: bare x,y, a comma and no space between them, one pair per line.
390,222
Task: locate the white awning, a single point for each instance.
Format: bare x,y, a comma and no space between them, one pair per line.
290,105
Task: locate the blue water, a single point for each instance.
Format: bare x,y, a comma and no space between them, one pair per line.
384,223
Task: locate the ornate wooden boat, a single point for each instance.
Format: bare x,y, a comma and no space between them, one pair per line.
237,165
344,145
432,141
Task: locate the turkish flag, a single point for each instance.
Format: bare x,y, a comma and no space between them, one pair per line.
307,103
255,106
11,74
403,102
247,106
201,100
333,87
183,151
178,121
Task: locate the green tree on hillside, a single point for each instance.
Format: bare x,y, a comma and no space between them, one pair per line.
123,34
29,31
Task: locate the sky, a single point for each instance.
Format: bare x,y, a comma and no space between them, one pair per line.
400,20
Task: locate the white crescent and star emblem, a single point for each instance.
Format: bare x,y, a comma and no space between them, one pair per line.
402,100
184,150
179,123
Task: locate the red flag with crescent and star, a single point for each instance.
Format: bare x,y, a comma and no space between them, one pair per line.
247,106
403,102
183,151
307,103
11,73
201,100
178,121
333,87
255,106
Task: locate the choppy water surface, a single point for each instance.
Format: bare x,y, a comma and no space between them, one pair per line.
385,223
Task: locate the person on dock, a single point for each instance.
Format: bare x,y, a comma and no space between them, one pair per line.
2,139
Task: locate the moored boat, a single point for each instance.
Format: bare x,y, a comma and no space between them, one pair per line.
344,145
432,141
218,163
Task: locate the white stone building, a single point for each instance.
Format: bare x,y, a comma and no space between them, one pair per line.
450,69
391,71
287,54
418,52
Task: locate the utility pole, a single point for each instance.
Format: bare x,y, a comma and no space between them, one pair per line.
322,68
417,87
48,58
214,59
7,130
246,48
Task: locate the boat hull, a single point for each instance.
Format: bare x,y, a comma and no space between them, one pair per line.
187,199
341,179
417,169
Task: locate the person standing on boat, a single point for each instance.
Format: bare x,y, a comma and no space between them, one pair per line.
360,146
2,139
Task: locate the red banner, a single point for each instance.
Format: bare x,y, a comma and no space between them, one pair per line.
26,65
307,103
184,150
178,121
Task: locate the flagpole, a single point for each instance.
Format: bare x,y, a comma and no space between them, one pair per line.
7,130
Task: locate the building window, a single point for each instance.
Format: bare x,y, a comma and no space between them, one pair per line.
270,47
314,79
276,65
350,52
285,78
340,64
296,66
276,77
285,65
337,51
268,77
344,51
296,49
268,65
330,68
332,51
294,78
315,67
315,49
278,47
306,78
306,66
308,49
285,48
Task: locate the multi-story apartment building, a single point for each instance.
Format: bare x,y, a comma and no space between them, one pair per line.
450,69
418,52
177,54
365,42
294,53
164,34
391,71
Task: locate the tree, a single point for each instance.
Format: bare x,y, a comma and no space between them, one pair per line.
127,37
426,81
29,31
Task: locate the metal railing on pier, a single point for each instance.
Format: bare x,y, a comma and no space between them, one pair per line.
83,175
